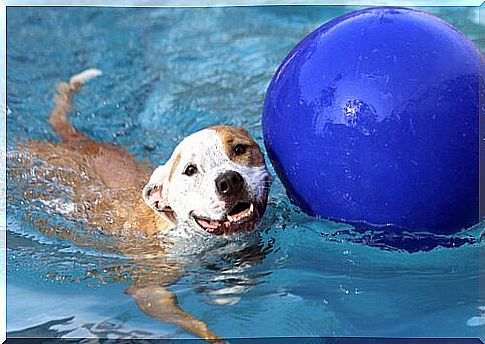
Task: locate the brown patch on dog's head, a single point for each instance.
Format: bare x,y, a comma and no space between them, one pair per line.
174,166
240,146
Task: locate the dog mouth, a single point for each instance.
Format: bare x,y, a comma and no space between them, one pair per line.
242,217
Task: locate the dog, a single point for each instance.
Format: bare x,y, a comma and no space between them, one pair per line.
216,182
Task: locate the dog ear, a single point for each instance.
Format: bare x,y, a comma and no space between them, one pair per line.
154,195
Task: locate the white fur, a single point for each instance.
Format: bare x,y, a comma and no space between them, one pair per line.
85,76
197,194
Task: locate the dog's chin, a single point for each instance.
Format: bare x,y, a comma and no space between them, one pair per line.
241,218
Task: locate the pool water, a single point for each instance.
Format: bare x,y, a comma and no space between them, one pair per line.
169,72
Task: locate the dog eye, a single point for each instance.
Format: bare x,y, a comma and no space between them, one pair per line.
240,149
190,170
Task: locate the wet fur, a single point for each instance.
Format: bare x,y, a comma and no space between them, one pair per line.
119,177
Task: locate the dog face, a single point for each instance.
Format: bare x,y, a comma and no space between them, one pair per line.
216,179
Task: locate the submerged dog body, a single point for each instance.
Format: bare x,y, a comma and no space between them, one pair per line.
216,180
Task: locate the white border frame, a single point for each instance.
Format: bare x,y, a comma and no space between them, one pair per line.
156,3
3,176
226,3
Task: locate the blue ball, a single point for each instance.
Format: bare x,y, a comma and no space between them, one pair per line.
373,119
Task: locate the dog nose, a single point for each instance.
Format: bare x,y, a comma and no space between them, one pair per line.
229,184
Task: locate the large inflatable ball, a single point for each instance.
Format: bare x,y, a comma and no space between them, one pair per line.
373,118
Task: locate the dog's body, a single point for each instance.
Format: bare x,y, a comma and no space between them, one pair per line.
101,167
216,181
107,169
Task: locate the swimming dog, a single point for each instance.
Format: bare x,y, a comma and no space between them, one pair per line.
216,181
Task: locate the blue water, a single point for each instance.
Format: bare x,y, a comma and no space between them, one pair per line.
167,73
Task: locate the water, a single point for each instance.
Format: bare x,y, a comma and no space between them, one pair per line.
167,73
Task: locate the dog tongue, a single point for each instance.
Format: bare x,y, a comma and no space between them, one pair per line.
209,224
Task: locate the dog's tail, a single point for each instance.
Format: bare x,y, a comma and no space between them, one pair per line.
59,119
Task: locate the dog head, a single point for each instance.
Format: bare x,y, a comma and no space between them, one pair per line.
216,179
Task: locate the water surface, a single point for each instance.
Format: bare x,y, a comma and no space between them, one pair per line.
167,73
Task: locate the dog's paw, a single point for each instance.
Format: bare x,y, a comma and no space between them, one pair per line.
219,341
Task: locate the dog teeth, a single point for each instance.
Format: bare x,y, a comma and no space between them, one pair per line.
213,226
244,214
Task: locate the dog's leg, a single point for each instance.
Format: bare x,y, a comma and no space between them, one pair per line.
162,304
59,116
